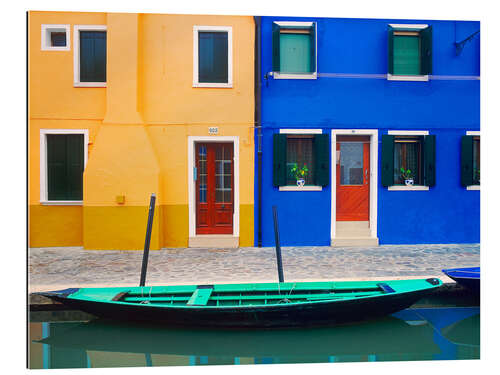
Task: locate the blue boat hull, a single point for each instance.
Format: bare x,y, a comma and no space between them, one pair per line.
469,277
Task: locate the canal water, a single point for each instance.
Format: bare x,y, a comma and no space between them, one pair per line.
445,333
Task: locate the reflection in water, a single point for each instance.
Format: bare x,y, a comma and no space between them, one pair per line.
412,334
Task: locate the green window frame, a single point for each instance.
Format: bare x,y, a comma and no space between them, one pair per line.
64,158
294,49
93,55
470,160
409,50
414,153
291,150
213,57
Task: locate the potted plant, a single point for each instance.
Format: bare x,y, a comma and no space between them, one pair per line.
300,174
407,175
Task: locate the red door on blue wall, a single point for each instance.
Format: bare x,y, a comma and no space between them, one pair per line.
214,188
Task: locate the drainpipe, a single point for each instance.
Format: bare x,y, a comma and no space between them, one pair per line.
258,126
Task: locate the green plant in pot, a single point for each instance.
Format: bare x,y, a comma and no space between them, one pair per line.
300,174
407,176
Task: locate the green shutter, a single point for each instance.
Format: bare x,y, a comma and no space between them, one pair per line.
390,50
322,159
426,50
387,170
276,47
429,160
279,159
467,156
92,56
75,166
312,48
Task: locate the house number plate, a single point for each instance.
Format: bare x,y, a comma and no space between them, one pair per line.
213,130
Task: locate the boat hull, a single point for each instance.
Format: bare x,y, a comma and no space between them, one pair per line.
469,278
319,313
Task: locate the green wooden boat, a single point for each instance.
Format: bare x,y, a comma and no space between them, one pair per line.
281,304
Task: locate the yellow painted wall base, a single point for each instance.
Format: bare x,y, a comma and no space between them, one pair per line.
175,225
55,226
246,225
118,228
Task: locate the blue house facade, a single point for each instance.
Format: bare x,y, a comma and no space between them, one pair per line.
369,131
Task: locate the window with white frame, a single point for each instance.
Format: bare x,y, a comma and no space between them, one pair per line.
89,55
294,49
55,38
63,155
212,56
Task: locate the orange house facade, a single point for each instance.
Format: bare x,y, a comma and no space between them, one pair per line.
121,106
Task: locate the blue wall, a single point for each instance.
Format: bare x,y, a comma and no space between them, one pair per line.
445,106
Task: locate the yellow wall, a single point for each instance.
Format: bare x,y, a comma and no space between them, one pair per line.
138,127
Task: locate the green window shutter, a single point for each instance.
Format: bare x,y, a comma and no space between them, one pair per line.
322,159
312,67
426,50
92,56
429,160
212,57
390,50
387,170
276,47
65,162
279,159
466,158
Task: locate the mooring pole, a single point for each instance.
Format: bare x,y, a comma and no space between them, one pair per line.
277,242
148,239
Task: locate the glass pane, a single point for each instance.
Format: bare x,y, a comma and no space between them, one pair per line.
407,156
300,156
227,195
202,173
219,196
351,163
406,55
212,57
295,52
58,39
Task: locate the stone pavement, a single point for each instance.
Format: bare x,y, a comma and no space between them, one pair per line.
54,268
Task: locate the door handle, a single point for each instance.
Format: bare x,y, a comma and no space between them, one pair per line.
366,176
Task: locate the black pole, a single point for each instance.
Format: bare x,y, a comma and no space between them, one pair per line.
278,248
148,239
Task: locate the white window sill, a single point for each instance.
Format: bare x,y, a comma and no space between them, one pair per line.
474,187
61,203
301,188
89,84
278,75
408,188
391,77
213,85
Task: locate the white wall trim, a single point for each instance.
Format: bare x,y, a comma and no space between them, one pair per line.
301,131
292,24
474,187
229,31
408,26
408,132
45,39
278,75
76,55
373,133
191,184
473,132
408,188
394,77
299,188
43,161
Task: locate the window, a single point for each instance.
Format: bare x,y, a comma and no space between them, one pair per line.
212,56
55,37
410,52
408,156
90,56
62,161
299,151
471,159
294,50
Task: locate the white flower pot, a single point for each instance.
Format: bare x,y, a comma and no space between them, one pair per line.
301,182
409,182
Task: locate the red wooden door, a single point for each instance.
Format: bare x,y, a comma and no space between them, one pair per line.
214,188
353,178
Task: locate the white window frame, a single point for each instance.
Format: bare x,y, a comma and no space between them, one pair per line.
76,55
308,187
44,189
45,39
477,134
313,75
229,30
404,187
421,77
